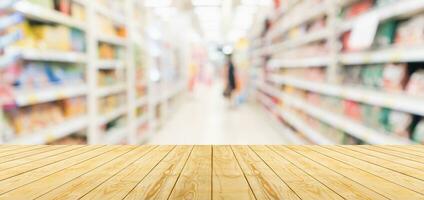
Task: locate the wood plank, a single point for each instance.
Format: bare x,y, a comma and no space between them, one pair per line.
37,157
81,185
4,148
120,185
412,172
228,181
264,182
26,154
419,148
304,185
14,171
340,184
159,182
195,181
39,186
21,177
387,157
405,150
395,153
21,150
388,189
387,174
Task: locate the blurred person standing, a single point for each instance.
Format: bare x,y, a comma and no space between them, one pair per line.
231,84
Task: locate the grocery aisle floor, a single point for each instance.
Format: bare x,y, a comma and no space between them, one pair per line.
205,118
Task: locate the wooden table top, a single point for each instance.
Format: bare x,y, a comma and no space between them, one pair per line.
211,172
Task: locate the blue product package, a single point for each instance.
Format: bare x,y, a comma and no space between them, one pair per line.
10,20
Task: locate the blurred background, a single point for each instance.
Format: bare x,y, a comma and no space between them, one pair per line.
211,71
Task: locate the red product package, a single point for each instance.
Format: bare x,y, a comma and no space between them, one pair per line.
359,8
353,110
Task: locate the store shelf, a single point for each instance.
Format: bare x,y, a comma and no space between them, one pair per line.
396,101
288,133
351,127
53,93
319,61
105,118
141,101
300,125
319,10
114,40
108,13
115,135
393,10
36,12
296,42
110,90
395,54
48,55
53,133
110,64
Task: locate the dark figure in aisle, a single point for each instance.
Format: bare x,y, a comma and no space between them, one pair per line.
231,79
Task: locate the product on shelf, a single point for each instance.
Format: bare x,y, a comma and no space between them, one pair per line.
110,52
395,77
399,123
51,37
111,103
74,107
372,76
37,117
37,75
110,77
358,8
416,84
411,31
385,34
418,134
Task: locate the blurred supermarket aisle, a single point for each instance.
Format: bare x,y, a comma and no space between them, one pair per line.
205,118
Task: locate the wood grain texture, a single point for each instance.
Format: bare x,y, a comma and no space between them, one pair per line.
384,187
345,187
306,186
211,172
195,179
159,182
264,182
125,181
228,178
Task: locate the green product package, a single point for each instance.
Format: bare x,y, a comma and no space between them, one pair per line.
372,114
418,134
385,33
384,119
372,76
43,3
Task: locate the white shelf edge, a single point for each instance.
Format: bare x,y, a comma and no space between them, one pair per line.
319,61
109,90
393,54
396,101
36,12
109,64
48,55
351,127
54,132
319,10
108,13
296,42
36,96
111,115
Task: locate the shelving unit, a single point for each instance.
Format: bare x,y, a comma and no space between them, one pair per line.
279,47
91,63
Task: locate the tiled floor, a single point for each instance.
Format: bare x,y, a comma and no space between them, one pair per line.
206,118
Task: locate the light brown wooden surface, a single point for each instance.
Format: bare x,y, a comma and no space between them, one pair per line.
211,172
